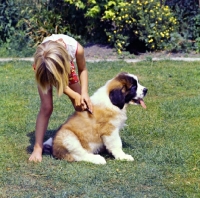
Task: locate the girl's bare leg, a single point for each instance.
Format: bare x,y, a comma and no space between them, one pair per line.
44,114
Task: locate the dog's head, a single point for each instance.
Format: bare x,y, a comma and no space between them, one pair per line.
125,89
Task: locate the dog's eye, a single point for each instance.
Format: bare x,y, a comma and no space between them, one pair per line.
132,88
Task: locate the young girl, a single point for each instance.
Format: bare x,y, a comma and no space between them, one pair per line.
53,65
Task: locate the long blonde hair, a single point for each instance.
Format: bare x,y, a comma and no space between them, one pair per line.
52,65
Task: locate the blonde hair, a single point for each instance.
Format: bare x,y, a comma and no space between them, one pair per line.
52,64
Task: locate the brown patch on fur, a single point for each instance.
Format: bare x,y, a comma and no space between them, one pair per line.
86,128
122,81
59,151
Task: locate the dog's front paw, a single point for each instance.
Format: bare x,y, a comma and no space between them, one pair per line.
125,157
96,159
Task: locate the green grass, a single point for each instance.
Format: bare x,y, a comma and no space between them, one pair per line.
164,139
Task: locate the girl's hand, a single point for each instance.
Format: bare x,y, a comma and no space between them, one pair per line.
76,100
75,97
82,102
86,102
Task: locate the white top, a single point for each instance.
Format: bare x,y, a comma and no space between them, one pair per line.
71,43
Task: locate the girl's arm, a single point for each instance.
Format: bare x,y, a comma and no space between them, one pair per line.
74,96
83,76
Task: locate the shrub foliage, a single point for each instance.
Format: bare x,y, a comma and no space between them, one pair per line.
132,20
128,25
188,17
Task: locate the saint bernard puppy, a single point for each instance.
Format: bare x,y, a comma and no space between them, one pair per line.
85,134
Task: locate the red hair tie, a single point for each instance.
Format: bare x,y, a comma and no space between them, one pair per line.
34,67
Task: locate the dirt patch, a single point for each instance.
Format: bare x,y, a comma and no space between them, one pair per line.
103,52
100,52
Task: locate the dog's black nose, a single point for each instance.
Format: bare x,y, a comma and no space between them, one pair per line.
145,91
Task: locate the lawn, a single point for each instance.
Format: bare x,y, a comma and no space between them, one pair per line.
164,139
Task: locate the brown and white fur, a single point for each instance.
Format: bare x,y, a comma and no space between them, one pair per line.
84,135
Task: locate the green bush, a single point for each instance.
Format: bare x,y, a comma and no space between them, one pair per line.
188,17
147,21
14,42
128,25
131,21
52,17
178,43
197,25
40,22
8,19
197,45
89,13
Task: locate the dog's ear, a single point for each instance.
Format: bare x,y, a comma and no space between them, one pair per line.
117,98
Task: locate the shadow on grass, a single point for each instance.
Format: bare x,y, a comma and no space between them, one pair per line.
31,135
125,144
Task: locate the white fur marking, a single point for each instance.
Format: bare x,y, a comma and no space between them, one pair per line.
114,145
75,148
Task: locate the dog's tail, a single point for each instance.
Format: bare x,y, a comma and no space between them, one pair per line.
47,146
